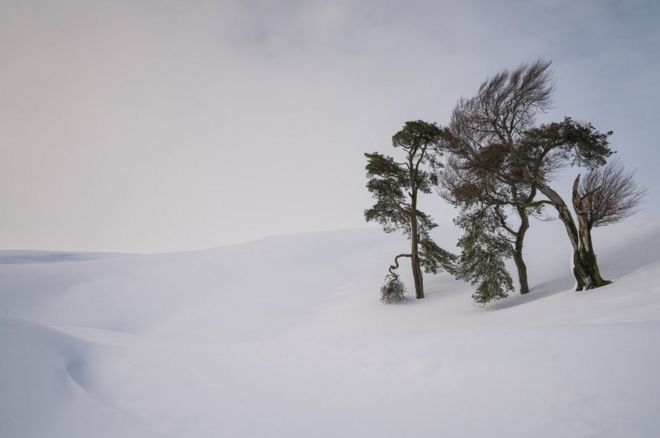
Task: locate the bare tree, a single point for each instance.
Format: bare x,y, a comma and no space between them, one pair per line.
605,196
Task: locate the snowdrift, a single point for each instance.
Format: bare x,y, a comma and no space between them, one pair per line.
285,337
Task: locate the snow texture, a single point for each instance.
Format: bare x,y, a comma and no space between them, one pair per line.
286,337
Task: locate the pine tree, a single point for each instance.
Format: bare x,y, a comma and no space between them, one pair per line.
483,252
396,186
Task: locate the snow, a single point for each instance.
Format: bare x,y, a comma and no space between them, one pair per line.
285,337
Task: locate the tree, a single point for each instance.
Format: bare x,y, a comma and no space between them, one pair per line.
483,251
546,149
485,133
495,134
396,186
605,196
479,192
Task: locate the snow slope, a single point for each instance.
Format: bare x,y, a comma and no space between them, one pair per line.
285,337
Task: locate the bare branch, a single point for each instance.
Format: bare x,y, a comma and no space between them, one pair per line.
608,194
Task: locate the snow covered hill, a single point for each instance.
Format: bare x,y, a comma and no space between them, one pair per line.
285,337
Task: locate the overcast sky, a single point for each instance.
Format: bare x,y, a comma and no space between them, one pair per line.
172,125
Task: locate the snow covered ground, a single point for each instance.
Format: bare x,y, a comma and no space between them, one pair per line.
285,337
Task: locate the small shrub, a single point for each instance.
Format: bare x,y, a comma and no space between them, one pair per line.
393,290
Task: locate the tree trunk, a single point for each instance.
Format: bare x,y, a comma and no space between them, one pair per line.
586,248
588,257
584,276
417,276
521,267
414,251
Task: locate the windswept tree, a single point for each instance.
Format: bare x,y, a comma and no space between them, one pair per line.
396,186
548,148
605,196
485,133
495,134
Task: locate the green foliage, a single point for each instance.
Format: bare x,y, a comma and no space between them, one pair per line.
395,185
387,182
482,257
421,142
434,259
567,142
417,134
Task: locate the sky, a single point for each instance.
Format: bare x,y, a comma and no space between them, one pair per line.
153,126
